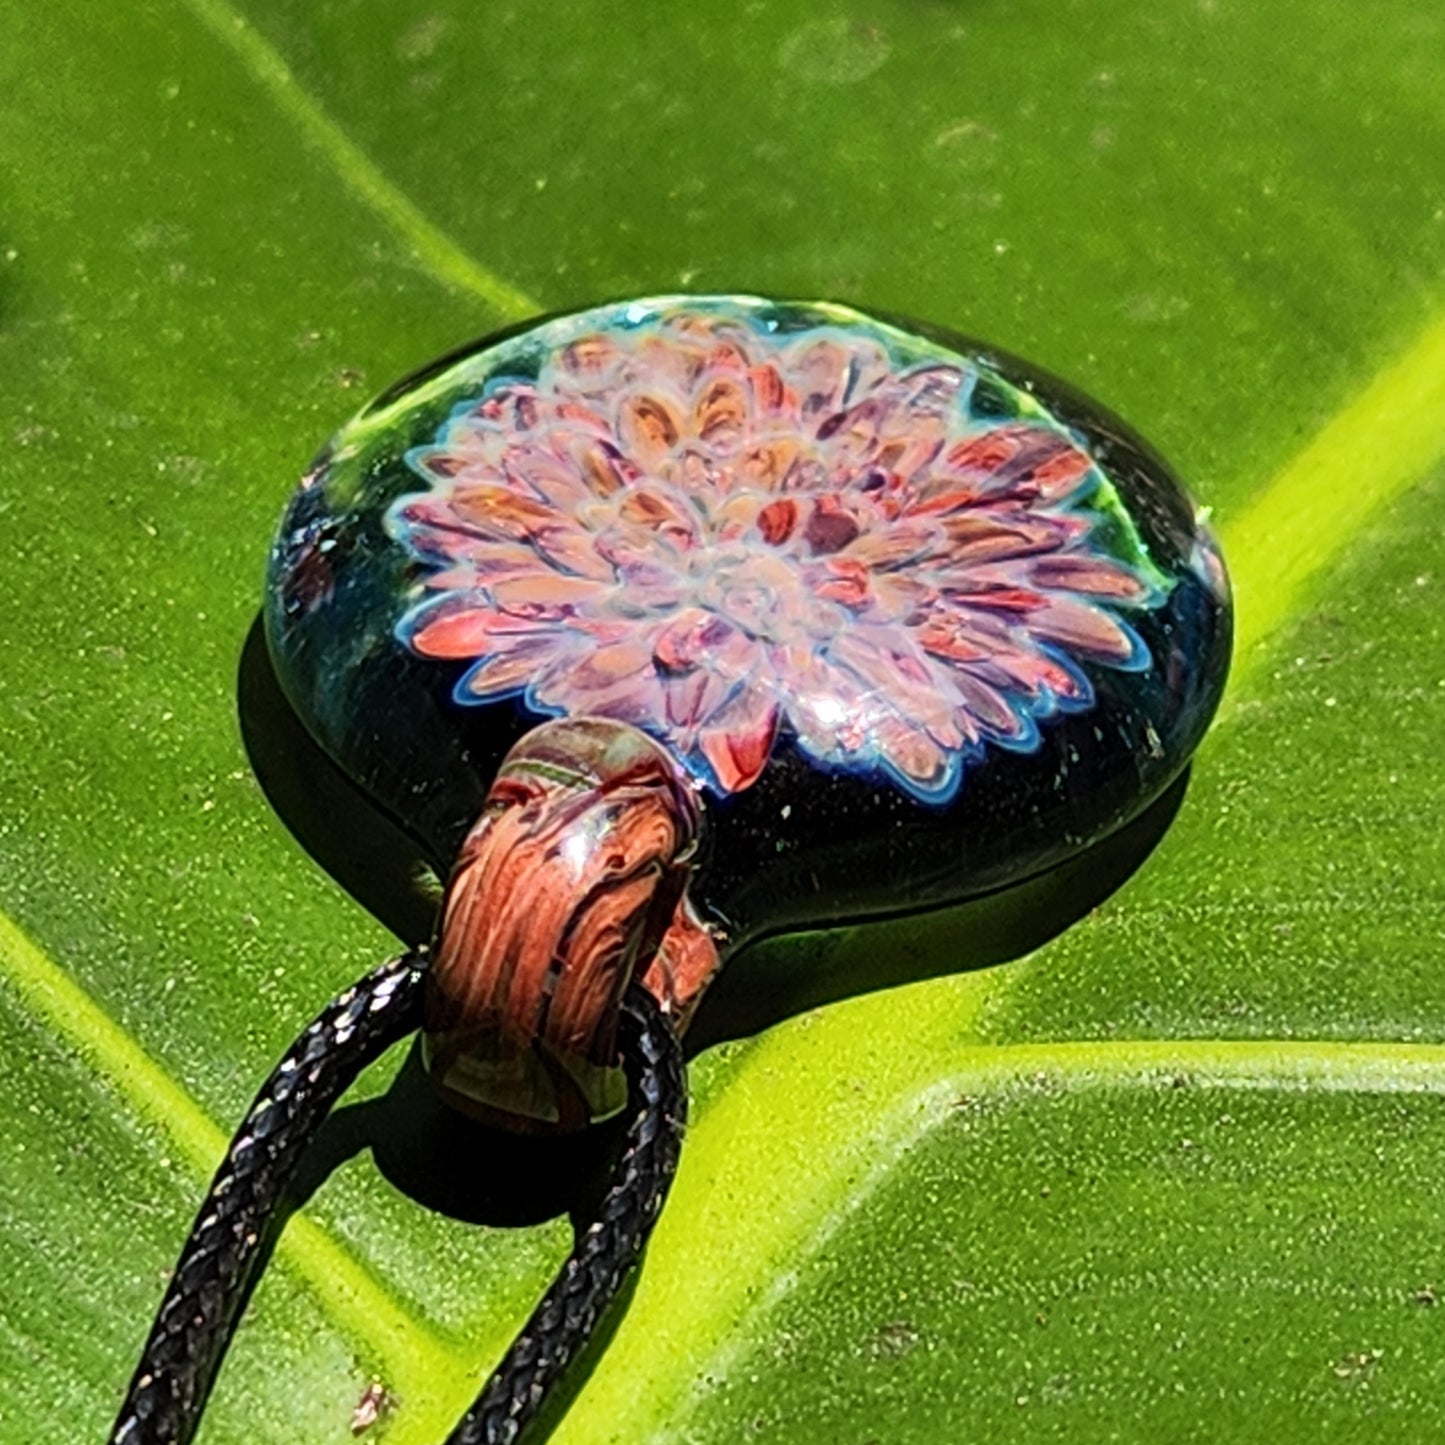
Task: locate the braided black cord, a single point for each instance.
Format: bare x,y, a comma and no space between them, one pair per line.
608,1248
219,1261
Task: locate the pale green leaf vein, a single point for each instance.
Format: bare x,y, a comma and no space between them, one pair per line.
1382,442
827,1106
431,246
354,1300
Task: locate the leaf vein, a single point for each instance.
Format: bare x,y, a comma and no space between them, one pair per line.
356,1301
432,247
1368,454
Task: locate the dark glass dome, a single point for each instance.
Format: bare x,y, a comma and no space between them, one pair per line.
916,620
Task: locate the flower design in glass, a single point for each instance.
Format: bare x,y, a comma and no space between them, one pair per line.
730,534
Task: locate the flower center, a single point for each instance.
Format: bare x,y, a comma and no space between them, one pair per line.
754,588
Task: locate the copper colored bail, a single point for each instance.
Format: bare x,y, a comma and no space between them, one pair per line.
565,889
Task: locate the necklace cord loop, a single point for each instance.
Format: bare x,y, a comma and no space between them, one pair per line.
226,1249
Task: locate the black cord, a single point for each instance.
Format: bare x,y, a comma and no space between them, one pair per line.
220,1259
609,1246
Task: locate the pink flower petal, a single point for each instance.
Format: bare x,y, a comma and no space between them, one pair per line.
1018,459
831,710
700,658
1031,673
913,753
769,390
1060,475
560,484
592,361
654,511
777,520
903,542
845,581
728,356
827,374
696,638
769,464
477,557
499,512
980,593
930,391
462,631
738,739
989,706
849,439
570,550
1080,572
672,362
1081,628
545,593
903,598
830,527
1007,659
904,681
648,580
512,407
523,660
913,424
617,681
605,470
468,576
689,699
438,464
983,534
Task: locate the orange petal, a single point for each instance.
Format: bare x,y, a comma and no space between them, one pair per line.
467,632
649,427
720,414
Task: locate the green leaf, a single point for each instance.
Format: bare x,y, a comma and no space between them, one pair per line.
1168,1177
